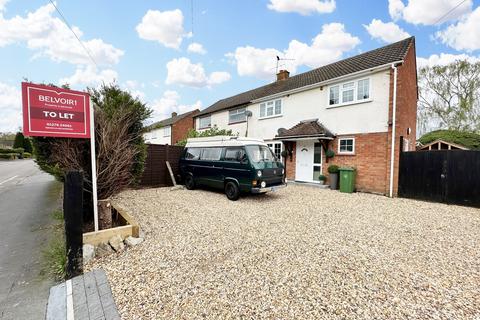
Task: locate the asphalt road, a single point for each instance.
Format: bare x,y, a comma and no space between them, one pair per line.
27,198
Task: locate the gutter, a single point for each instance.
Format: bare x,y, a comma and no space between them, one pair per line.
394,112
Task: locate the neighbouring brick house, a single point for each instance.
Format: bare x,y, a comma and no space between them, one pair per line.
171,130
347,107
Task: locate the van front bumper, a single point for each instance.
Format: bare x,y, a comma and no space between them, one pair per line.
268,189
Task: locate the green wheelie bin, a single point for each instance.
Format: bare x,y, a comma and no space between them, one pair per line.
347,179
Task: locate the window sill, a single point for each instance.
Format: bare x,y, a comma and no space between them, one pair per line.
205,128
237,122
349,103
270,117
345,154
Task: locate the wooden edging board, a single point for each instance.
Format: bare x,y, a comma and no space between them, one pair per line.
131,229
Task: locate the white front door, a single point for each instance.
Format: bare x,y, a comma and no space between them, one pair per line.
304,160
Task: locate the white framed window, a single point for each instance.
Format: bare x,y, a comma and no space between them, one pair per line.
205,122
237,115
277,148
349,92
167,131
346,145
271,108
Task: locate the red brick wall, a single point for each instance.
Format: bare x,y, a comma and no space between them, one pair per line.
406,115
290,162
370,160
180,129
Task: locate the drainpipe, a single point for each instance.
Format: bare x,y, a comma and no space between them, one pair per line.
394,112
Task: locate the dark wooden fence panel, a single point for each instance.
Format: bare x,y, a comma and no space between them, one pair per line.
450,176
156,172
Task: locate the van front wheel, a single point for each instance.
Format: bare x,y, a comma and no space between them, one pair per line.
189,182
232,191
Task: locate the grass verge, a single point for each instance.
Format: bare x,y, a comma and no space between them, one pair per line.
54,256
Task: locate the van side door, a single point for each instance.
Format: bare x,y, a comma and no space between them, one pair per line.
212,167
237,167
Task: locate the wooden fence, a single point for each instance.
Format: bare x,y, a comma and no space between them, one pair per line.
156,172
450,176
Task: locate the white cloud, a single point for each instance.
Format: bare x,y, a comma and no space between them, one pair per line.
165,27
444,59
465,34
328,46
196,47
170,102
2,4
10,108
386,31
427,12
304,7
50,37
182,71
90,76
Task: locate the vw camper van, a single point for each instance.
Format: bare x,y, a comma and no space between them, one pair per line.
233,164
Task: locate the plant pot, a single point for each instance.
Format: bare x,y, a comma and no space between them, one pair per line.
333,181
321,182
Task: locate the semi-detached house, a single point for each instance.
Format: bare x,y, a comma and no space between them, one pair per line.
352,107
171,130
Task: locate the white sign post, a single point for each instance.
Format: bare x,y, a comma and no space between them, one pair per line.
94,166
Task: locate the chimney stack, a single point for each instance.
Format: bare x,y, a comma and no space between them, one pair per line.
282,75
174,114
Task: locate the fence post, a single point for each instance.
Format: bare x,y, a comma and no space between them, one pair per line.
73,215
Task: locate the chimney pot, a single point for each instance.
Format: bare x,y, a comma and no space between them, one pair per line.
174,114
282,75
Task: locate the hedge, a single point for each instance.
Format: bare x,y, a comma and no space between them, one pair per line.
467,139
8,156
7,151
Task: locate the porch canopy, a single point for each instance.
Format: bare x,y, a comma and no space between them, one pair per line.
305,130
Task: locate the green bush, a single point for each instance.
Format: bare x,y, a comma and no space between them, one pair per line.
322,177
19,140
332,168
17,150
27,145
9,156
27,155
330,153
467,139
213,131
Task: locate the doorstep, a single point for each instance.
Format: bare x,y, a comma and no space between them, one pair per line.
84,297
311,184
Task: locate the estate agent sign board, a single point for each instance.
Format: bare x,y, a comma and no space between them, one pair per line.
55,112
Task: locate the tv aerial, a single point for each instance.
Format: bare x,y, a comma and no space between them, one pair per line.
281,59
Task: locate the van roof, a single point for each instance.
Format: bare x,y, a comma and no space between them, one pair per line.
223,141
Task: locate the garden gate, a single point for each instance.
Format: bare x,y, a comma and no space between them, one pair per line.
449,176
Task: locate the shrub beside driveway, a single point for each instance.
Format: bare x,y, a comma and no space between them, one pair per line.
298,253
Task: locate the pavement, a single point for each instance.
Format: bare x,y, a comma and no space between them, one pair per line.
27,198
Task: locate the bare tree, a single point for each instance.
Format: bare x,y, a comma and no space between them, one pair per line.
450,97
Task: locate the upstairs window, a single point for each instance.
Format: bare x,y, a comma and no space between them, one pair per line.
205,122
334,95
363,89
271,108
349,92
237,115
167,131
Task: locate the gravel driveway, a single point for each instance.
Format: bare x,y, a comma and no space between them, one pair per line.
301,253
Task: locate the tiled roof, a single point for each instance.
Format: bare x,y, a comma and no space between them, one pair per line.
306,128
171,120
371,59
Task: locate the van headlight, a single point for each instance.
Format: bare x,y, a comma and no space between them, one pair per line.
259,173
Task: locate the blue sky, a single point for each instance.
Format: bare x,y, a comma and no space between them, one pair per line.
144,45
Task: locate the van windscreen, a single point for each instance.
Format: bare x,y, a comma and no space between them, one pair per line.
260,154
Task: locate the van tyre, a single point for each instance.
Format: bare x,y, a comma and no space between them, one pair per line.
232,191
189,182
